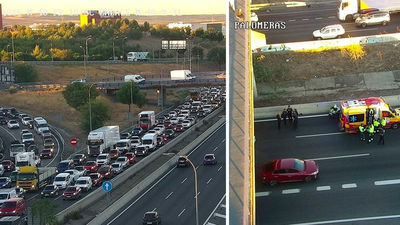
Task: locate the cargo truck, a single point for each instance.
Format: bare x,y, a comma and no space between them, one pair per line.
26,159
102,140
348,8
16,148
137,56
181,75
32,178
147,119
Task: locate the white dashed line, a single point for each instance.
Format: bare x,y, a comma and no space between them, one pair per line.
331,17
387,182
323,188
209,181
320,135
219,215
353,185
341,157
262,194
184,180
223,141
290,191
318,18
197,167
181,212
305,19
291,20
169,195
219,168
215,149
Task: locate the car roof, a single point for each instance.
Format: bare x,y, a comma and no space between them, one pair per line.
62,174
13,199
209,155
84,178
285,163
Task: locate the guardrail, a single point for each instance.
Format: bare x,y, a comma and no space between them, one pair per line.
80,62
97,194
167,83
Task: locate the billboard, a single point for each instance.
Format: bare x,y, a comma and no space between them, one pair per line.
173,44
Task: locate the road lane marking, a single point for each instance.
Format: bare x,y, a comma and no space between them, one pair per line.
300,117
387,182
290,191
340,157
349,220
318,18
291,20
220,215
197,194
209,181
197,167
331,17
215,209
223,206
219,168
209,223
323,188
154,209
262,194
352,185
32,197
223,141
184,180
169,195
181,212
361,30
319,135
12,135
305,19
58,197
215,149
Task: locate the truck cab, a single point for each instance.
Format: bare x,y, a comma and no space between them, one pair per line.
150,140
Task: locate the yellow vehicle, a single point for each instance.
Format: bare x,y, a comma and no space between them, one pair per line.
31,178
355,113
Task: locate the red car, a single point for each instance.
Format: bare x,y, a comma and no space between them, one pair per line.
72,192
179,127
114,154
8,165
168,124
91,166
289,170
97,179
46,153
131,157
162,140
13,207
106,171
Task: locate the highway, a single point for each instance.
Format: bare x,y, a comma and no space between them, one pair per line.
302,21
358,183
173,195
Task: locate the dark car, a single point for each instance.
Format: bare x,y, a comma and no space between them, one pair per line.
182,162
13,176
97,179
114,154
64,165
5,182
169,133
72,192
50,190
151,218
8,165
201,113
3,112
137,131
79,159
125,135
35,149
168,124
161,140
289,170
106,171
209,159
46,153
3,120
91,166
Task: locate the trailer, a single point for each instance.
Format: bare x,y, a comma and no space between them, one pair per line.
137,56
102,140
32,178
147,119
181,75
348,8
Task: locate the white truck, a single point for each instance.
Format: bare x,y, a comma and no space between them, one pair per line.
181,75
137,56
348,8
16,148
26,159
136,78
150,141
147,119
102,140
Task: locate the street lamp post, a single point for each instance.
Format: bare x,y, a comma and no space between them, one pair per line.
12,46
195,189
116,37
90,108
87,54
84,56
123,48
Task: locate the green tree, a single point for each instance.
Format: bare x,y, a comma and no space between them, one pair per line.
199,32
100,114
77,94
146,26
217,55
60,54
124,95
197,51
44,209
25,73
39,54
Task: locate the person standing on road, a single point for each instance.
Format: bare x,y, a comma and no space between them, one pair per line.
295,118
376,124
278,118
371,115
383,122
370,131
362,132
289,111
381,136
284,116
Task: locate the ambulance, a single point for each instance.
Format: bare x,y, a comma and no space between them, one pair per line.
355,113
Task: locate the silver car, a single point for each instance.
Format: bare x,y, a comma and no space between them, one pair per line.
373,18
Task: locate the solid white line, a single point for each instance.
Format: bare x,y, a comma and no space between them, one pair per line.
349,220
300,117
215,209
181,212
209,223
319,135
340,157
197,167
220,215
215,149
387,182
323,188
331,17
353,185
262,194
169,195
290,191
223,141
154,209
223,205
184,180
209,181
219,168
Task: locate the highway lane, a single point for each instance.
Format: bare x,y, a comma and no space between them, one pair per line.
357,179
173,196
302,21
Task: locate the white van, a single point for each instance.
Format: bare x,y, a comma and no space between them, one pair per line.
150,140
135,78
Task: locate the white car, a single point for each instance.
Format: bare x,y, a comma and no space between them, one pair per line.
172,114
207,108
26,121
161,127
62,180
158,130
13,124
186,123
85,183
174,120
103,159
186,105
181,117
27,137
74,174
117,168
135,143
6,194
123,160
135,78
329,32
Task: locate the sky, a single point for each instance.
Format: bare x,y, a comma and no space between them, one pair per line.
126,7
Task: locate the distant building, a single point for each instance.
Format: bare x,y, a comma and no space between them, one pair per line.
211,25
1,18
179,25
94,17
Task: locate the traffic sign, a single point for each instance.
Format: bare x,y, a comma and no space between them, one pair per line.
73,141
107,186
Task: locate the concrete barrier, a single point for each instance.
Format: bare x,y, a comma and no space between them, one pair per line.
311,108
118,180
117,205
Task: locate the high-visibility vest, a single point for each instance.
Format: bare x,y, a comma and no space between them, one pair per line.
362,129
376,123
383,122
371,129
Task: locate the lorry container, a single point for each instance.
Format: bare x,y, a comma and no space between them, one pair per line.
26,159
102,140
137,56
348,8
181,75
32,178
16,148
147,119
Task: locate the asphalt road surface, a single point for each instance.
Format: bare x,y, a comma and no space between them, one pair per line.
173,195
358,184
302,21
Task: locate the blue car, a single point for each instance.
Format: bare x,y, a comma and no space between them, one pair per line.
137,131
5,182
209,159
64,165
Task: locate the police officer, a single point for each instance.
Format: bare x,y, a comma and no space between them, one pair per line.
278,118
289,111
383,122
284,116
381,136
295,118
370,131
376,124
371,115
362,132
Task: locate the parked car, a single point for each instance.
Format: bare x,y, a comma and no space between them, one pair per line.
79,159
373,18
64,165
289,170
62,180
106,171
72,192
50,190
13,207
117,168
13,124
97,179
8,165
91,166
123,160
5,182
85,183
182,162
329,32
209,159
151,218
131,157
103,159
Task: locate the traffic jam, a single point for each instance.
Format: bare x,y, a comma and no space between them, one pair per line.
25,167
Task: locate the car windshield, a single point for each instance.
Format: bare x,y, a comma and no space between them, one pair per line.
3,196
94,176
102,157
135,141
136,129
25,176
27,136
17,148
115,165
90,163
60,178
149,215
49,188
6,162
9,205
70,189
299,164
121,144
46,151
3,180
77,156
63,164
81,182
48,141
209,157
120,160
168,131
114,152
103,169
147,142
80,168
129,154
